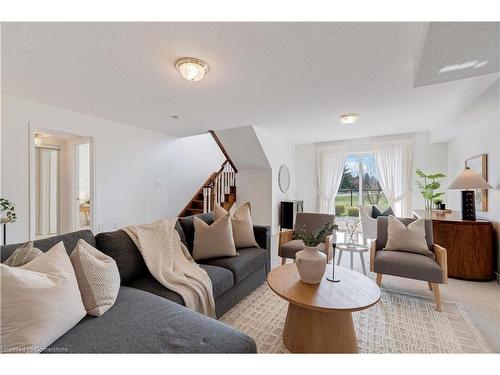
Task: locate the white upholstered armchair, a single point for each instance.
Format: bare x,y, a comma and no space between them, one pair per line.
368,223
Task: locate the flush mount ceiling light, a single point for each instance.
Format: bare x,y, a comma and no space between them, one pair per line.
191,69
349,118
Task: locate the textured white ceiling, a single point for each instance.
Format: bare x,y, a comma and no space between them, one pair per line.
298,77
458,50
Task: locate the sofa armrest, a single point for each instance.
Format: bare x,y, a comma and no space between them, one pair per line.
262,235
442,260
373,251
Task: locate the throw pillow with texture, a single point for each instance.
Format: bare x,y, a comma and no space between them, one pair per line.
409,238
40,302
376,212
241,222
215,240
98,278
23,255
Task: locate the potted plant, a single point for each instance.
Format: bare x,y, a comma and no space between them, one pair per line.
428,185
8,215
311,262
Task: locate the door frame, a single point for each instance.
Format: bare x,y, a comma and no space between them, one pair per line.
76,193
36,127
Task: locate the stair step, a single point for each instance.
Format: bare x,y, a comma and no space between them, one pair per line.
230,197
227,205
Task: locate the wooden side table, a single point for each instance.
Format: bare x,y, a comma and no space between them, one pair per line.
469,244
319,317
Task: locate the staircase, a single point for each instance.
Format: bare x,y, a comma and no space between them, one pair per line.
219,188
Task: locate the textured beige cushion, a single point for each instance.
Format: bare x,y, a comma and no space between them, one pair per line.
98,278
40,302
215,240
241,221
409,238
23,255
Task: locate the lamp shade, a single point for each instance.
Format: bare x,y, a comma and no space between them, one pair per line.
469,179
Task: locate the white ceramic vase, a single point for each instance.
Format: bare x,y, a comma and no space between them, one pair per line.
311,264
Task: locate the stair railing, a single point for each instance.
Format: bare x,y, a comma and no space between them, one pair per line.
214,192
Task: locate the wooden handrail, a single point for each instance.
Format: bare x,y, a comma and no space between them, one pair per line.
212,178
221,146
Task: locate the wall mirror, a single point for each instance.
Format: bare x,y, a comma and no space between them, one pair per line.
284,178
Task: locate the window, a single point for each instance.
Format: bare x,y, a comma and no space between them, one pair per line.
359,186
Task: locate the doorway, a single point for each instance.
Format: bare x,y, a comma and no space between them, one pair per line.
62,182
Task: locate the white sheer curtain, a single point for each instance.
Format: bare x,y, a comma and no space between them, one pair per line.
330,165
394,162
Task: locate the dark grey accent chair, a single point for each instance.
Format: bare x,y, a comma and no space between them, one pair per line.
149,318
409,265
309,222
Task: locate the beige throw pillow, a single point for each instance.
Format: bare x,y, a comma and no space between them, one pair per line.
241,222
215,240
40,302
98,278
409,238
23,255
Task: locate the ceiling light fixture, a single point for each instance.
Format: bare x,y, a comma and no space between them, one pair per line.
349,118
191,68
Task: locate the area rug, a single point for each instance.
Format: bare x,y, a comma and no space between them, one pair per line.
399,323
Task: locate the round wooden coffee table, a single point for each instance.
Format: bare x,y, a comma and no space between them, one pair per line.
319,317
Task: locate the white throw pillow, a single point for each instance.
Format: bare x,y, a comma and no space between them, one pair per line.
215,240
98,278
40,302
241,222
409,238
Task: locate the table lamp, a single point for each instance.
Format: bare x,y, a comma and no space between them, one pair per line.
468,181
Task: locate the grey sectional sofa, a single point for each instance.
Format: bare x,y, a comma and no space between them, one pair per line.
147,317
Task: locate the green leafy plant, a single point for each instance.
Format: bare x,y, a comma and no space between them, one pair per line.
8,211
314,238
339,209
353,211
428,186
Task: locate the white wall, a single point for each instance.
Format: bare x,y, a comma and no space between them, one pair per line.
142,175
482,137
278,151
430,157
254,186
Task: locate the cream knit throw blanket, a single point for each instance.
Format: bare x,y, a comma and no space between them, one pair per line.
170,263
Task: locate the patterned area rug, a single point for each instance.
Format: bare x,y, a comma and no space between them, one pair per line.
399,323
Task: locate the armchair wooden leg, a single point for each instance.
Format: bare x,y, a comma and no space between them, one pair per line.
283,261
379,279
437,297
430,285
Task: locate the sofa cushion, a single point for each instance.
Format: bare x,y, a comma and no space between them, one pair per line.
22,255
178,228
409,265
215,240
250,260
187,224
119,246
222,280
40,302
376,212
382,224
140,322
290,248
69,239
